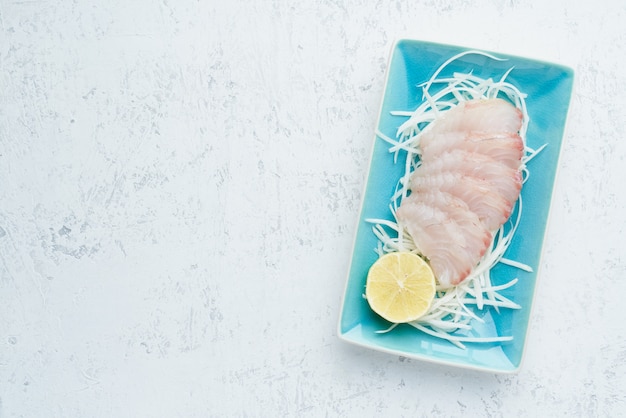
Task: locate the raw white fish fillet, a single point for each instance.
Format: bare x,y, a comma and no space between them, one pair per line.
493,115
505,180
506,148
448,231
481,198
466,186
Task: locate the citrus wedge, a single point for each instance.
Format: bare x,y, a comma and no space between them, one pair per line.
400,287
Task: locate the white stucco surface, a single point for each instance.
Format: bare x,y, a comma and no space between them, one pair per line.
179,187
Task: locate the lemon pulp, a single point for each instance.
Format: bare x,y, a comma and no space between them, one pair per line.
400,287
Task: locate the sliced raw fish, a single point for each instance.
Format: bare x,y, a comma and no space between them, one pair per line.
451,237
481,198
505,180
494,115
506,148
466,186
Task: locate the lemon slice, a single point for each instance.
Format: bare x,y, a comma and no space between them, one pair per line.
400,287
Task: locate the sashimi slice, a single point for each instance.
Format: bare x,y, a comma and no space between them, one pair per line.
505,147
466,186
505,180
482,199
450,236
494,115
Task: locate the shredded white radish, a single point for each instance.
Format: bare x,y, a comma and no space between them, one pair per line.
454,309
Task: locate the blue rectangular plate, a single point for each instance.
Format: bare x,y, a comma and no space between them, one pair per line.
549,89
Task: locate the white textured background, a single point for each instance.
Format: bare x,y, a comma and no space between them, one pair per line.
179,186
